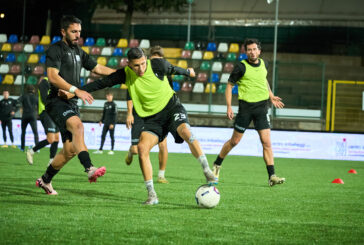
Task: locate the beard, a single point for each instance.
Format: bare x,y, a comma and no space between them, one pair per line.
71,43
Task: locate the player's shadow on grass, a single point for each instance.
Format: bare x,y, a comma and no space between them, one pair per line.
38,202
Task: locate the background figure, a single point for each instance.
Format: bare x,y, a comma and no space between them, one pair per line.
8,106
50,128
109,116
29,102
136,124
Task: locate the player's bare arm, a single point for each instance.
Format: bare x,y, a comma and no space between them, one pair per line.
103,70
129,117
228,96
276,101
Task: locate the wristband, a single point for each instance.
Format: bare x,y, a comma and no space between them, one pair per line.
72,89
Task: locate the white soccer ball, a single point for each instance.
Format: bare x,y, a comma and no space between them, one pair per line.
207,196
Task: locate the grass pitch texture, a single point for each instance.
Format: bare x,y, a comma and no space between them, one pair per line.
307,209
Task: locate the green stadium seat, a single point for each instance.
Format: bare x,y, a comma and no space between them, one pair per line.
32,80
113,62
221,88
231,57
189,46
100,42
205,66
178,78
21,58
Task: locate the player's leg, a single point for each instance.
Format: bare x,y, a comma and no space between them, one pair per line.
24,124
53,139
9,124
146,143
265,139
75,127
3,126
135,134
112,133
163,157
185,133
33,125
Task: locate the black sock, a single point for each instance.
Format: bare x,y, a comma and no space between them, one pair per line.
85,160
40,145
49,174
270,169
218,160
53,150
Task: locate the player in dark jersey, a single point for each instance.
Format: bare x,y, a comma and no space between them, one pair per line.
109,116
64,61
136,124
155,101
8,107
29,103
254,95
50,128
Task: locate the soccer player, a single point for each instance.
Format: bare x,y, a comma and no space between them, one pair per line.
156,103
29,102
136,124
64,60
254,95
50,128
8,106
109,115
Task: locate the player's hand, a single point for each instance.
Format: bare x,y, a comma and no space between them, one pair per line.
84,96
65,95
12,113
100,123
111,127
277,102
129,121
192,72
230,113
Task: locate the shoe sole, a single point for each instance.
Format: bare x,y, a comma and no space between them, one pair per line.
98,173
277,183
28,159
127,161
38,184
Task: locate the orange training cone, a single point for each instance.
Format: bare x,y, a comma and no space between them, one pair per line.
352,171
338,181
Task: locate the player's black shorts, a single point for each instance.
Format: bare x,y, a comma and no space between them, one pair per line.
59,111
48,124
258,112
136,129
167,120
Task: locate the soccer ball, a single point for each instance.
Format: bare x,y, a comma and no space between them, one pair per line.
207,196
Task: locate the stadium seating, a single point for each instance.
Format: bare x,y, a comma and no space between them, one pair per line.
228,67
242,49
221,88
117,52
211,46
210,87
90,41
95,51
4,68
19,80
222,48
198,88
202,77
176,86
13,38
38,70
134,43
89,80
183,64
80,41
28,48
126,52
186,54
2,57
242,57
21,58
33,59
215,78
186,87
56,39
32,80
15,69
84,72
28,69
231,57
196,55
10,58
100,42
189,46
6,47
217,66
112,62
86,49
123,62
42,59
3,38
8,79
178,78
123,43
200,45
224,78
205,66
101,60
220,56
39,49
234,48
111,42
208,55
106,51
145,44
45,40
123,86
34,39
1,79
18,47
235,89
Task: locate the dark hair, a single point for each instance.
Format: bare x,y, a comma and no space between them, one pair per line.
157,50
30,89
67,20
249,41
135,53
108,92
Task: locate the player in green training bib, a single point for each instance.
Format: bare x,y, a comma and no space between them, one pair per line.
254,94
156,103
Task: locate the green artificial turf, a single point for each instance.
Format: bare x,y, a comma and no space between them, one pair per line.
307,209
